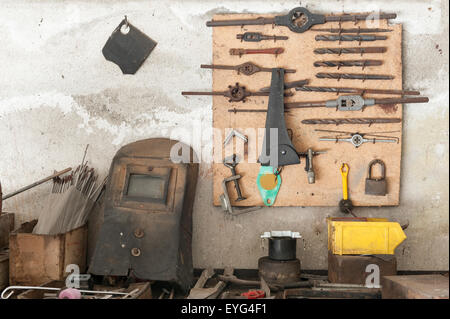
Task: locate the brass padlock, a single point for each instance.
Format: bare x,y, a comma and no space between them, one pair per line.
376,186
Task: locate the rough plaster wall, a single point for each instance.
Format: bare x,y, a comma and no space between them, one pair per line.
58,93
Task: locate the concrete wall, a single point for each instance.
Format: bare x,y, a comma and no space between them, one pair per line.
58,93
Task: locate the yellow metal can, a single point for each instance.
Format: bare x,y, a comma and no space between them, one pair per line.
363,236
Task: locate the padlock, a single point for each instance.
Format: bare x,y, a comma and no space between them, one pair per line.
376,186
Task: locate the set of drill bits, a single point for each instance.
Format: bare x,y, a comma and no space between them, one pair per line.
348,35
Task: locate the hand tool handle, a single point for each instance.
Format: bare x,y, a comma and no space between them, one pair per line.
403,100
214,66
344,173
256,51
239,22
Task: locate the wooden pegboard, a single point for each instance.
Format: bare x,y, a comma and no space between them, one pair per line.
295,190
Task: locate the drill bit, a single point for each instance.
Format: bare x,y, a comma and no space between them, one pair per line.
339,64
287,85
354,90
352,30
339,121
360,50
350,37
353,76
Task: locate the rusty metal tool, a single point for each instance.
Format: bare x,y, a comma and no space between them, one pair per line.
287,85
231,163
258,37
354,90
340,121
235,110
354,102
350,37
225,199
235,93
357,139
348,63
359,50
237,134
241,52
300,19
309,154
352,30
37,183
345,205
353,76
247,68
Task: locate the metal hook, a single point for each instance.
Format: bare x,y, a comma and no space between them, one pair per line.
126,21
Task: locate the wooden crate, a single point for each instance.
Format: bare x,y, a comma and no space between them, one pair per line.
36,259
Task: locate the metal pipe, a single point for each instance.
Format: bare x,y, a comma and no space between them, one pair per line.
37,183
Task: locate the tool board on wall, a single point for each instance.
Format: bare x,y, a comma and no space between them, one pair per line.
299,55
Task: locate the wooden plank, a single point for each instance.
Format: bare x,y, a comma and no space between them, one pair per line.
4,269
295,190
415,287
6,226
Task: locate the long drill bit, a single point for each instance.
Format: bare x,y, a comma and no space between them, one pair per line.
360,50
352,30
348,63
350,37
287,85
353,76
339,121
354,90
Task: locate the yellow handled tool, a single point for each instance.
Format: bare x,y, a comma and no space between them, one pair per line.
344,173
345,205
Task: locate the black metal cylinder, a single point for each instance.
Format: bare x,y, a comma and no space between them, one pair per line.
282,248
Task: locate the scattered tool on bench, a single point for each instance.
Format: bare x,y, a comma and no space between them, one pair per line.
348,63
357,139
360,50
340,121
200,292
247,68
358,91
345,205
235,93
350,37
354,102
301,19
352,30
258,37
353,76
241,52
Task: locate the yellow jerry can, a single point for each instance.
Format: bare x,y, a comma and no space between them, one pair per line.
363,236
